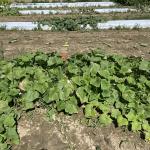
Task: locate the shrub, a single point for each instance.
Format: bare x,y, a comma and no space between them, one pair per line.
4,2
134,2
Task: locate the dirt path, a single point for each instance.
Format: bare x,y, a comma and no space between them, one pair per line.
69,133
120,41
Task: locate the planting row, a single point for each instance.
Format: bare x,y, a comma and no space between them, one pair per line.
75,25
108,89
44,12
6,11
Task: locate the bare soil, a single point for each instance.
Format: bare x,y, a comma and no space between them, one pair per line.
125,42
68,133
105,16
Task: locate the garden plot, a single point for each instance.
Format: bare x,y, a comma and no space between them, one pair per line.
46,12
130,24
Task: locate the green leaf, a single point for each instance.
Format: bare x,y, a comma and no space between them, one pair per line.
122,121
144,65
54,61
71,108
128,95
105,119
40,87
61,105
105,85
121,87
104,108
14,92
3,106
77,80
136,126
147,135
28,105
131,116
90,112
106,93
9,121
104,73
82,95
51,95
30,96
41,57
115,113
146,126
4,146
95,82
131,80
73,69
94,68
125,69
12,135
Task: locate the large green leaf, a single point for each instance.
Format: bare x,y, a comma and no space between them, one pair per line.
70,108
4,106
9,120
105,119
144,65
115,113
82,95
131,116
61,105
12,135
128,95
30,96
90,112
72,68
125,70
94,68
95,82
77,80
122,121
136,126
40,87
105,84
51,95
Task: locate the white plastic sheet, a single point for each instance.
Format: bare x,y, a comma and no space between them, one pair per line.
107,25
124,23
48,5
45,12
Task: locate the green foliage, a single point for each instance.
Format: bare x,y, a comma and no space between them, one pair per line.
107,88
2,2
7,11
137,3
72,23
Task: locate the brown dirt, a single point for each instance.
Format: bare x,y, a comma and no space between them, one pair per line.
124,42
68,133
113,16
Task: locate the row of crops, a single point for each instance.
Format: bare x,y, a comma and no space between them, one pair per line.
107,88
124,2
75,24
89,18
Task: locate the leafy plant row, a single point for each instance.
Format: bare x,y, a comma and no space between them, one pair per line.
110,89
72,23
7,11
